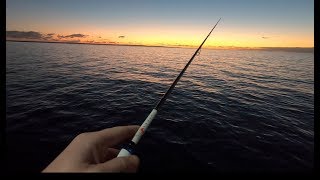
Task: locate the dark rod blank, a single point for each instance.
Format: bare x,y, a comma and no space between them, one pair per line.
165,96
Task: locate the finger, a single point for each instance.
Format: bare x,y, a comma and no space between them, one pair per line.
110,154
120,164
116,135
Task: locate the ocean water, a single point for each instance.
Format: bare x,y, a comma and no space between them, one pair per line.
232,111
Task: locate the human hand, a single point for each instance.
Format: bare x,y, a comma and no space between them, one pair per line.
93,152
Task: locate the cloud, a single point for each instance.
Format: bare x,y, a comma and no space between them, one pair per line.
23,34
29,35
76,35
48,36
90,41
265,37
69,38
60,36
73,36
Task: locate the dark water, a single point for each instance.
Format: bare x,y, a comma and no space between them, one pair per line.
231,111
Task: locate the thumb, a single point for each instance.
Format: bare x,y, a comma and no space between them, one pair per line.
121,164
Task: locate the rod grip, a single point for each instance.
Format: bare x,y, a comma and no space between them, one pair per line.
123,152
127,150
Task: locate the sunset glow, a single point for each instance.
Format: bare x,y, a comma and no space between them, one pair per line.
161,23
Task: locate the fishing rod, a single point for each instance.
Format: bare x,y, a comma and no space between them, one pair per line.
128,149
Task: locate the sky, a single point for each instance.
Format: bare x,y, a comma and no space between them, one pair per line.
244,23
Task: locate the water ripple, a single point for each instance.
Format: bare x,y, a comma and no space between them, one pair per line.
232,110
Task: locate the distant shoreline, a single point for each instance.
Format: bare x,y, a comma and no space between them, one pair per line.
286,49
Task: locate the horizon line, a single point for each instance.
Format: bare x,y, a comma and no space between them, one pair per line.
188,47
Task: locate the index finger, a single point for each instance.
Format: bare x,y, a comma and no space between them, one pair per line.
116,135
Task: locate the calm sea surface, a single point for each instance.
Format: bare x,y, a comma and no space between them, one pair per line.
233,110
